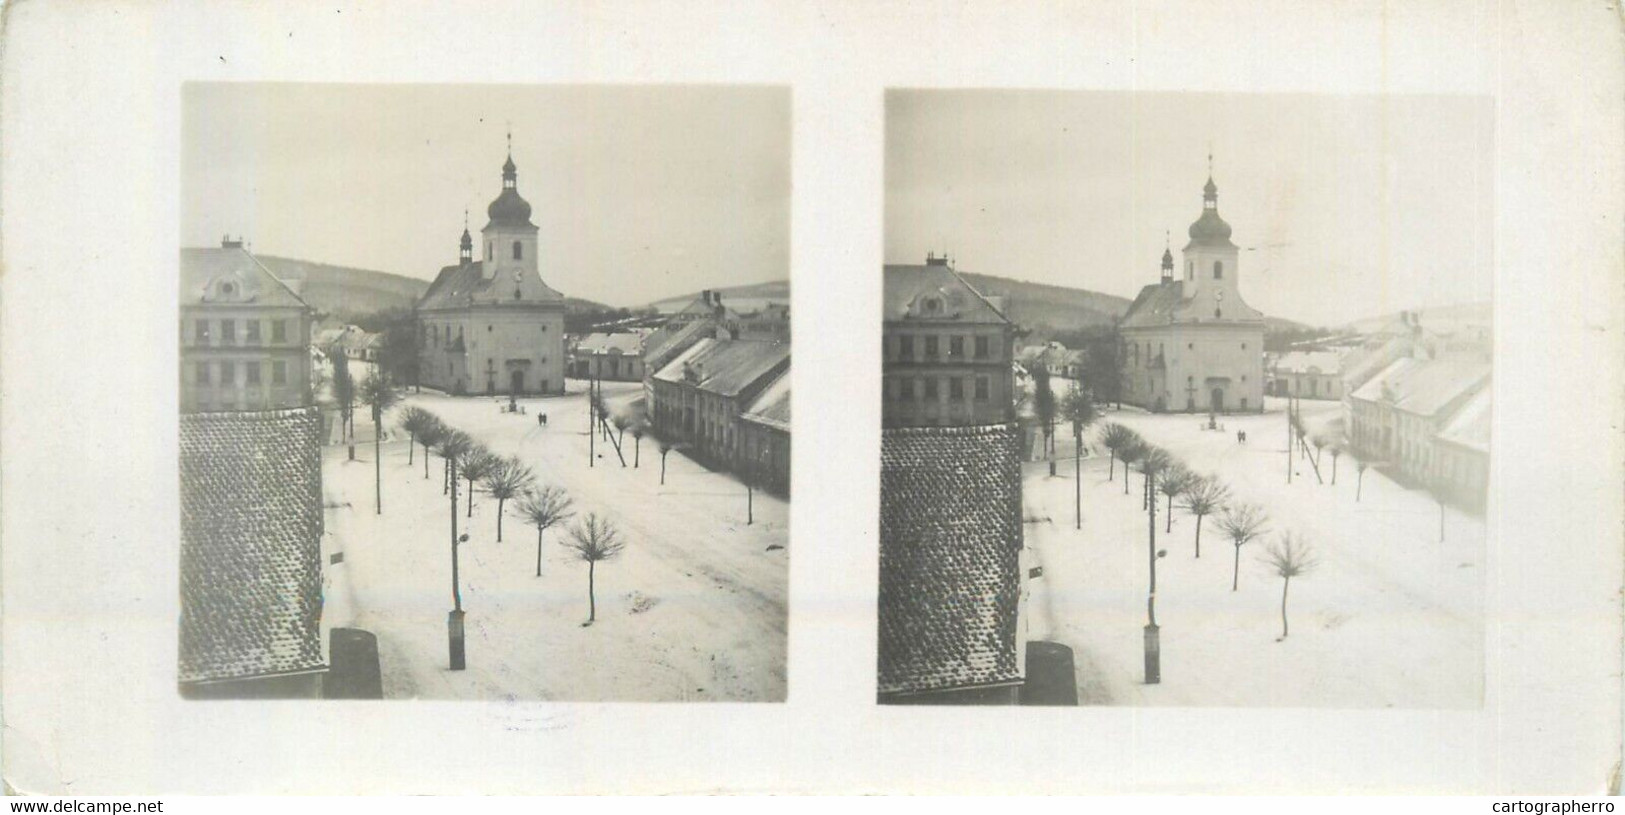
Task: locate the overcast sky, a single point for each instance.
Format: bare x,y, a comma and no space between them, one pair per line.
1344,206
640,192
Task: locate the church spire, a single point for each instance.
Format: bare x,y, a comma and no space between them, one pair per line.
1167,258
1210,191
465,247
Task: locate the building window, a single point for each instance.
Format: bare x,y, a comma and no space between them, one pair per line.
1244,346
203,332
905,346
518,251
203,373
956,389
1190,269
279,331
252,329
981,388
252,371
956,346
1190,346
228,373
228,332
1218,314
932,391
931,345
907,388
1218,270
981,348
279,373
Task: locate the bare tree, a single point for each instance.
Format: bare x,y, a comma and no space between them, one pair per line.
1242,523
1336,449
1359,482
638,429
508,478
454,446
476,466
1289,556
430,435
1128,454
1154,461
544,509
1173,484
379,394
1044,409
413,420
1203,497
1079,409
594,539
1116,438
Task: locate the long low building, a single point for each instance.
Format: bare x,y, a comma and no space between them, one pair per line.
764,435
614,357
698,397
1399,415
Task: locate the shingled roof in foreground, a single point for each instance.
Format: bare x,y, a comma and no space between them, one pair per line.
950,543
251,526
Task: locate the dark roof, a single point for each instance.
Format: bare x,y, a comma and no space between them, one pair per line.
950,543
1164,303
251,527
205,270
458,286
772,406
962,303
726,367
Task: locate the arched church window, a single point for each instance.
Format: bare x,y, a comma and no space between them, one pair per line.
1218,270
1218,314
518,250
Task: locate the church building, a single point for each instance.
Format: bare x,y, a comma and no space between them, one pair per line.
1189,341
491,326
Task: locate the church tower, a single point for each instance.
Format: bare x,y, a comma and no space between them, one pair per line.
1211,268
509,237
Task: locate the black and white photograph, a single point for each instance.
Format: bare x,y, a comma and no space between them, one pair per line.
1187,399
485,392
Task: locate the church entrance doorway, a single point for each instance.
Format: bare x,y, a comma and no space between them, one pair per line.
517,382
1217,405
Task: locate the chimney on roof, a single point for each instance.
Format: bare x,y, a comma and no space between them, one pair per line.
931,259
227,243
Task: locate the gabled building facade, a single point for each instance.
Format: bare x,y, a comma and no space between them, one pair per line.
245,335
1190,343
492,326
947,351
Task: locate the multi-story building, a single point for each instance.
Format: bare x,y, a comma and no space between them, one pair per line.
1191,343
491,325
1399,413
698,397
244,334
1307,375
950,594
764,436
614,357
947,351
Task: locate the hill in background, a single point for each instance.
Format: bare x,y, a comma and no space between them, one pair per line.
342,293
741,298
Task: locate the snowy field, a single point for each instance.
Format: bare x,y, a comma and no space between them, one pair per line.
694,609
1391,617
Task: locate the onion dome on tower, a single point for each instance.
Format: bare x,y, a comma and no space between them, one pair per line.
1210,228
509,209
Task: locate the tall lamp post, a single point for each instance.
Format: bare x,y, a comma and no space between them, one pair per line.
1153,634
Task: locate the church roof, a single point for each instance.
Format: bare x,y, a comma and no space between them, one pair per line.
906,284
461,285
950,546
1160,304
203,268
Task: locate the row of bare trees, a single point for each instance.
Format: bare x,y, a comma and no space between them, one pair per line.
1288,556
465,460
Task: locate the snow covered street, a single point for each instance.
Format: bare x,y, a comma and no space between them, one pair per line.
1391,617
694,609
